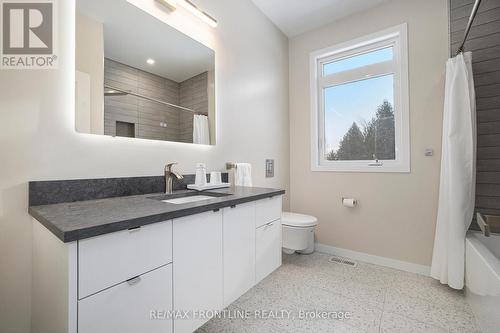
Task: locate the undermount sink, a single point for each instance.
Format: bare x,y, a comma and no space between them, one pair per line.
187,197
194,198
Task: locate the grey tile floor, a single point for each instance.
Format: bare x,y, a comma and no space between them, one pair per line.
378,299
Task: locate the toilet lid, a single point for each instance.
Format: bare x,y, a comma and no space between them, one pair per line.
298,220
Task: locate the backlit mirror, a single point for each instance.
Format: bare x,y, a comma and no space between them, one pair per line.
139,77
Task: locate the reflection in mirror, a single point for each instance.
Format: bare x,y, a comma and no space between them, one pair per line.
138,77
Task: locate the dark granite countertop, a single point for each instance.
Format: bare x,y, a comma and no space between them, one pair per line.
72,221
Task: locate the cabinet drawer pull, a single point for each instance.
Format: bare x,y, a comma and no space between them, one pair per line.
133,229
216,210
233,206
267,225
134,280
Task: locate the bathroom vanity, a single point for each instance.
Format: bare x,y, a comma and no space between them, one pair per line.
144,264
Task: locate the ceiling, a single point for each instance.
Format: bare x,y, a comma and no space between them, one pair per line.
294,17
131,36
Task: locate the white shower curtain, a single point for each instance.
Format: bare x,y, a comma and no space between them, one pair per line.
457,184
201,134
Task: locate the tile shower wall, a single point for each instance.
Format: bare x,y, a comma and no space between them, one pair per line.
484,42
193,94
148,116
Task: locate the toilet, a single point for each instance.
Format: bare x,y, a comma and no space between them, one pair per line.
298,232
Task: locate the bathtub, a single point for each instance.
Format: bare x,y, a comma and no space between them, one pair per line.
482,278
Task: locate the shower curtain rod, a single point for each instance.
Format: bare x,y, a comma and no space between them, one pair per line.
126,92
469,25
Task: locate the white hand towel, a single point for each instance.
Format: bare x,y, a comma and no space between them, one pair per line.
243,174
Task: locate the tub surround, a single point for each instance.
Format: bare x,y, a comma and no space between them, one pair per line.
75,220
482,279
483,42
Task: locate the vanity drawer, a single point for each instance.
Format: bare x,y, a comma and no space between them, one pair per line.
267,249
104,261
267,210
130,307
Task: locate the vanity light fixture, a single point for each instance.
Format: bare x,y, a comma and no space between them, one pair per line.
192,8
170,4
150,61
198,12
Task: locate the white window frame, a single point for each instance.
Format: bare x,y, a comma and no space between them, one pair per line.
395,37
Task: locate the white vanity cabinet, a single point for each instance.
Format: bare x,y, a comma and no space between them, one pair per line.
102,284
198,267
141,279
122,277
268,249
267,236
268,210
107,260
136,305
239,250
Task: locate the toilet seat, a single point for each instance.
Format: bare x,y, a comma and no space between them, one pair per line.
298,220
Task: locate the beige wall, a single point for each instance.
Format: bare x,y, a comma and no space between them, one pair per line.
38,140
89,58
397,212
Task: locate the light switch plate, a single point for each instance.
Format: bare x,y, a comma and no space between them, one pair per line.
269,168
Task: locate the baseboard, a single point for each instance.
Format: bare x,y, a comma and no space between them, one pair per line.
372,259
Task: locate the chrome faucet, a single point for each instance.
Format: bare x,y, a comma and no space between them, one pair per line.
169,174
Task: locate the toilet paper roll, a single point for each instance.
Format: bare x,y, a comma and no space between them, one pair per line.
349,202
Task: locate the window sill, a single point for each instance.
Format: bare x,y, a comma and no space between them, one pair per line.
361,167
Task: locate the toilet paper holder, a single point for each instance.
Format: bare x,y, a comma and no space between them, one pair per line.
349,202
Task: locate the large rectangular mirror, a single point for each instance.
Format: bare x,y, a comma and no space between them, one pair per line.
139,77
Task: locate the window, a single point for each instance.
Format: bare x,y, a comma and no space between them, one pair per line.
359,105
